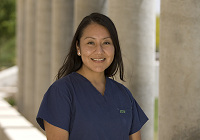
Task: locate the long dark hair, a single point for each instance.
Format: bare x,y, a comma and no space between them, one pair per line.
73,62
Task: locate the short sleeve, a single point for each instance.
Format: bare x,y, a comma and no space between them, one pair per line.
139,118
55,109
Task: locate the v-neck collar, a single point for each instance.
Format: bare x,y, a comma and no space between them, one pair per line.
90,84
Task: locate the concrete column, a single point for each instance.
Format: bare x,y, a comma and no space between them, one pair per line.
86,7
43,50
62,32
179,98
29,52
135,22
20,51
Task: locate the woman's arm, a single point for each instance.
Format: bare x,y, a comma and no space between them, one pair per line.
55,133
135,136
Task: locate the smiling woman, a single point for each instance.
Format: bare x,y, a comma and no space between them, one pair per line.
84,103
75,61
96,50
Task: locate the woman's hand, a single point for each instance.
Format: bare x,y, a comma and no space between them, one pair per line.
55,133
135,136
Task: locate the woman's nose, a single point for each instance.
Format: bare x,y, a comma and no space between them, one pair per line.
99,49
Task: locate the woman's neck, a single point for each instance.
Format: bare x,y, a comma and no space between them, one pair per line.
98,80
93,77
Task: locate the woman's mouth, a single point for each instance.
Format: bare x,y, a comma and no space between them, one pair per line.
98,59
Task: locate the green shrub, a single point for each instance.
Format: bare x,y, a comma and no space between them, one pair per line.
157,33
7,54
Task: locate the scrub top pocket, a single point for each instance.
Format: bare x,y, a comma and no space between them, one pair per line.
125,117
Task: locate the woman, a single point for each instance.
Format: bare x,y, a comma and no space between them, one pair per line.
84,104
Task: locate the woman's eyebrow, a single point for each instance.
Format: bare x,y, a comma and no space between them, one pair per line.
89,37
106,37
95,38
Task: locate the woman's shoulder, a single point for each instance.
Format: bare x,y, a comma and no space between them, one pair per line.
119,86
64,83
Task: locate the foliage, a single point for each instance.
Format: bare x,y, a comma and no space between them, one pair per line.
11,101
7,19
7,33
7,54
156,120
157,33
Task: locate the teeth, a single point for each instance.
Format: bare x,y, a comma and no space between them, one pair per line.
98,59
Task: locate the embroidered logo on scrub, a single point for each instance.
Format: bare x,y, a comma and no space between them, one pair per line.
122,111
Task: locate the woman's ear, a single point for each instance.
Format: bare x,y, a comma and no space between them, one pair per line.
78,49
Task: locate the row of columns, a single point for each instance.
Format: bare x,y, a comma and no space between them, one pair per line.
44,33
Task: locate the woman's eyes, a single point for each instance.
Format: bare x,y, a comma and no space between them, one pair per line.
106,43
91,43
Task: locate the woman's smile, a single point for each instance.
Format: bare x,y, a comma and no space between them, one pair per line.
98,60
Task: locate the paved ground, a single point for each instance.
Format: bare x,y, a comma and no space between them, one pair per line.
13,126
8,82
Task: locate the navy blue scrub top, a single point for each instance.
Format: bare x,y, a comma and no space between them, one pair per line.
74,104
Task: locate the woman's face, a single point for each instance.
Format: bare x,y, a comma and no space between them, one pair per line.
96,48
